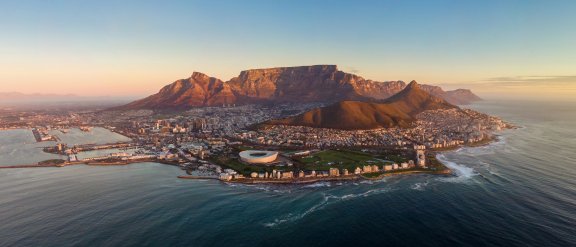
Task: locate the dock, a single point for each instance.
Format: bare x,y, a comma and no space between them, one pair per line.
197,177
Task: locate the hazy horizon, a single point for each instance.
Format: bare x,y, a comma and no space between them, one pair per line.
133,48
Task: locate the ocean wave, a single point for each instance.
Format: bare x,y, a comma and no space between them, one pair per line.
317,185
366,182
462,172
265,188
278,191
482,150
491,148
294,217
372,181
274,189
364,194
326,200
419,186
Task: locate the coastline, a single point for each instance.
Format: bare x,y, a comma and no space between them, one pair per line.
446,171
295,180
88,163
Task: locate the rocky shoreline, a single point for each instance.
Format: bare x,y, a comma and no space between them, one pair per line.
308,180
445,172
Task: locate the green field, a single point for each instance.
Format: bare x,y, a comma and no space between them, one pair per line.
348,159
326,159
244,147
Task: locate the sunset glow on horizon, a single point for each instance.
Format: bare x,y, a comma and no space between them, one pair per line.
133,48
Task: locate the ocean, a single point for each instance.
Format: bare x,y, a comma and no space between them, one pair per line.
518,191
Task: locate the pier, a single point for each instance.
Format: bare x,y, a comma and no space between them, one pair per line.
90,147
198,177
28,166
90,163
42,136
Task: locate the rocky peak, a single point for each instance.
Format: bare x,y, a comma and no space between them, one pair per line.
413,84
199,76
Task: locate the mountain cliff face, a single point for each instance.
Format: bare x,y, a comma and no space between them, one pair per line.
294,84
198,90
318,83
397,111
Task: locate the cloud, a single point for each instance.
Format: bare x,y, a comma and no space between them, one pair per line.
532,79
555,85
352,70
528,87
563,81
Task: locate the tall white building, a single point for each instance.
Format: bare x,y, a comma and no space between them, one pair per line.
420,158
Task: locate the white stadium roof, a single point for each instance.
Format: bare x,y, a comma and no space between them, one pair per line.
258,156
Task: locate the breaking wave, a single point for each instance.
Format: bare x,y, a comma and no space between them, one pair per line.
317,185
265,188
462,172
326,200
419,186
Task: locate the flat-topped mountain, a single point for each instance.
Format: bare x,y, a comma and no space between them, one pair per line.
397,111
310,84
317,83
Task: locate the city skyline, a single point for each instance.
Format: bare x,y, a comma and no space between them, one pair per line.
135,48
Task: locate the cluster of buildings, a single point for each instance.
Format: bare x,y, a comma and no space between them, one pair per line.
433,129
333,172
193,137
229,175
40,119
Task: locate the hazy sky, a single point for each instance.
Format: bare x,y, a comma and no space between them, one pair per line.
136,47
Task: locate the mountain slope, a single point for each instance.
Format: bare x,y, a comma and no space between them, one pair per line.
397,111
198,90
455,97
461,97
317,83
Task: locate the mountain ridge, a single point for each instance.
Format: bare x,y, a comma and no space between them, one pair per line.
315,83
397,111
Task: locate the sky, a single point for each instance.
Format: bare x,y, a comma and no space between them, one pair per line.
497,48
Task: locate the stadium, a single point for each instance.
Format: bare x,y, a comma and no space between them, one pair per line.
258,156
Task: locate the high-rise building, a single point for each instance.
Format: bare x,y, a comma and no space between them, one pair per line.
420,158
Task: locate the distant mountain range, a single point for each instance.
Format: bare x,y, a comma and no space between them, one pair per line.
317,83
23,96
396,111
51,102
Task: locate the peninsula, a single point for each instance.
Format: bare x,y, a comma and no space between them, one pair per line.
280,125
